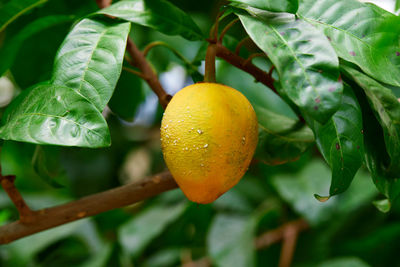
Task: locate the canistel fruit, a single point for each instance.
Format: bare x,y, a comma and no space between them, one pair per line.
209,133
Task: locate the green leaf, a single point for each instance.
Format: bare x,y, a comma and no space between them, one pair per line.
10,48
280,139
46,163
353,28
345,261
230,240
298,191
127,96
397,6
90,59
340,141
137,233
306,63
159,15
382,205
387,110
289,6
15,8
51,114
376,157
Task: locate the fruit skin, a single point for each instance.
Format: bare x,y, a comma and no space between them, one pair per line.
209,133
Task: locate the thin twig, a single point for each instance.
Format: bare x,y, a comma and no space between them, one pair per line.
151,46
149,76
103,3
288,246
239,62
226,29
250,58
240,44
271,70
25,213
270,237
137,73
88,206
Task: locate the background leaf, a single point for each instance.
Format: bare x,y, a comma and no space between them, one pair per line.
127,96
15,8
340,141
46,163
137,233
280,139
353,28
315,177
305,61
289,6
157,14
9,50
90,59
231,240
51,114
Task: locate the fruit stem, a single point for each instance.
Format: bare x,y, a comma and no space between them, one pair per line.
209,75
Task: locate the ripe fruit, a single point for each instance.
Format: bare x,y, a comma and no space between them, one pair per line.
209,133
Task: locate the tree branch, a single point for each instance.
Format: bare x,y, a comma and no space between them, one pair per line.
247,66
25,213
88,206
274,236
139,61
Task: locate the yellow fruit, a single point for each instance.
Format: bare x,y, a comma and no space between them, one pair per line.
209,133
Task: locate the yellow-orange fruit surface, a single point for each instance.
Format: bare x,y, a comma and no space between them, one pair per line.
209,133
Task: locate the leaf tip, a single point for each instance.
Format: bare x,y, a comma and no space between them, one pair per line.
322,198
383,205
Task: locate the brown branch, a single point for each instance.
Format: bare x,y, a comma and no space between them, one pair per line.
226,29
88,206
140,61
240,44
289,245
250,58
25,213
103,3
276,235
240,63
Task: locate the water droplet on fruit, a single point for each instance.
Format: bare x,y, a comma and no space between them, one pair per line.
206,145
199,131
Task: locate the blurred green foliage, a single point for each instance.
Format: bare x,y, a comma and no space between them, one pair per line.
347,230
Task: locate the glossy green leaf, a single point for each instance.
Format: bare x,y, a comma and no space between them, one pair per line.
340,141
15,8
230,241
387,110
353,28
90,59
280,139
397,6
10,48
376,156
137,233
289,6
306,63
157,14
51,114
